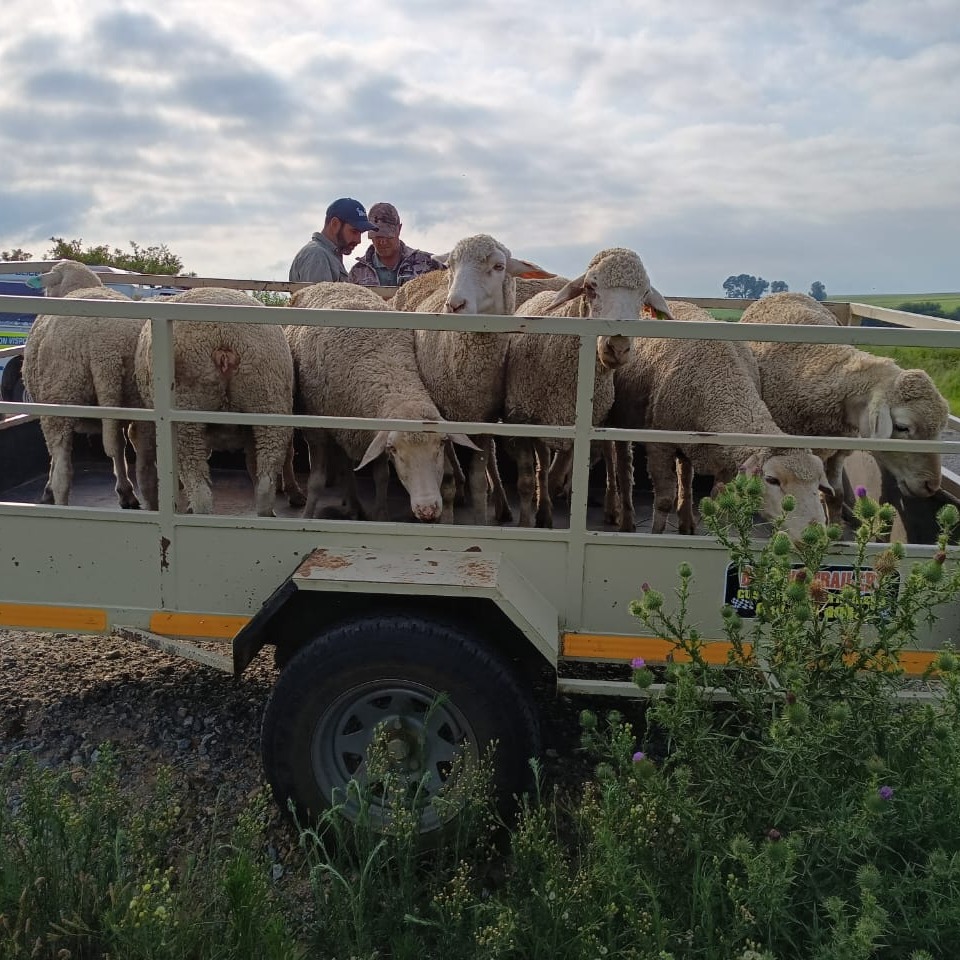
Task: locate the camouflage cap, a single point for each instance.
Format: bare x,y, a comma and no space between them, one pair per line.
385,216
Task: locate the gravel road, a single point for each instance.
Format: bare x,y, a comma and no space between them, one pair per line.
63,695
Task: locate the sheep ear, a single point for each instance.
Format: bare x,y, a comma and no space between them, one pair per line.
569,292
656,300
463,440
751,466
377,446
527,270
825,489
876,423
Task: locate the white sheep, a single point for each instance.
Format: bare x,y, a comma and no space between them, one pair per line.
239,367
837,390
542,368
463,370
352,372
709,386
81,360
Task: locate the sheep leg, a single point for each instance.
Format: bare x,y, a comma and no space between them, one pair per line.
544,504
523,452
501,507
612,506
662,469
477,480
288,476
623,463
833,467
448,493
561,471
143,438
58,435
686,522
270,445
107,378
192,453
317,479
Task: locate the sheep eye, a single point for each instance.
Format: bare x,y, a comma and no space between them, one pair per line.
900,428
773,481
590,292
500,267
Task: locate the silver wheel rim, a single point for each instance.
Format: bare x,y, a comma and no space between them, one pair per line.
422,738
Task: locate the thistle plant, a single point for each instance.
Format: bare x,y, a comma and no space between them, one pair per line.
824,804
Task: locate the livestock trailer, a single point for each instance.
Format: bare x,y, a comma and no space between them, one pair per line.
428,631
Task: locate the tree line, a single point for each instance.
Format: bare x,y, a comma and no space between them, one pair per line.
747,287
157,258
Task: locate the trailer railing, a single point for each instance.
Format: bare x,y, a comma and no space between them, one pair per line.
171,527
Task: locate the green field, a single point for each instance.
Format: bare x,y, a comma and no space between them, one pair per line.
948,301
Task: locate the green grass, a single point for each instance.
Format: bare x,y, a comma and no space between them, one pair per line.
948,301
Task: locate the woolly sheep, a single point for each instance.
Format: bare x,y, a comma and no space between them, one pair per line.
542,368
240,367
464,370
351,372
708,386
837,390
81,360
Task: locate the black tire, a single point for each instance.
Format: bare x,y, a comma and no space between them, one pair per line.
443,690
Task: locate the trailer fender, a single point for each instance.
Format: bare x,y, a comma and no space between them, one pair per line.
425,573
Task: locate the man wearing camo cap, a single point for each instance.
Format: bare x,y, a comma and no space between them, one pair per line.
389,262
322,257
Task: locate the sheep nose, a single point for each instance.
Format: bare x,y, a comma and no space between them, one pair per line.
455,304
932,486
427,513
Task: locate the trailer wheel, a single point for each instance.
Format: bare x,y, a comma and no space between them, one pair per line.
436,697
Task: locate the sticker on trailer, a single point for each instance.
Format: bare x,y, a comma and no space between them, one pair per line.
741,593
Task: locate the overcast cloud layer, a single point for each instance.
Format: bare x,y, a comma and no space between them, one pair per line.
802,142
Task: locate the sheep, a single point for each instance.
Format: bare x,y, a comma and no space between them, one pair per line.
81,360
246,368
709,386
464,370
541,370
411,294
837,390
351,372
65,276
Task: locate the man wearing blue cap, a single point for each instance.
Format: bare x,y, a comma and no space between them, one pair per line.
322,257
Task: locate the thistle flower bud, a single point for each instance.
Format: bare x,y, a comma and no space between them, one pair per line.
940,557
866,509
685,571
834,531
932,572
788,504
896,548
948,516
707,507
588,720
887,513
652,600
780,544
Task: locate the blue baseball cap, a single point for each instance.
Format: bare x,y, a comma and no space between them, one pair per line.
350,211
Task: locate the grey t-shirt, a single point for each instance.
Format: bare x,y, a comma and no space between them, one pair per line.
316,261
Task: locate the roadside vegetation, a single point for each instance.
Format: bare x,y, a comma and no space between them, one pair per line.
812,814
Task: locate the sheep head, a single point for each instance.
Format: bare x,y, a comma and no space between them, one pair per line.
65,277
482,276
796,473
909,408
615,286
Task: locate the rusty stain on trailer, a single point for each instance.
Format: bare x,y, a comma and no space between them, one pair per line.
164,547
323,559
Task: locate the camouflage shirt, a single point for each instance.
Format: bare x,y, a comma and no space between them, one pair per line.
412,264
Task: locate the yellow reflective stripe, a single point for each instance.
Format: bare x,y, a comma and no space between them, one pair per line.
212,625
53,618
594,646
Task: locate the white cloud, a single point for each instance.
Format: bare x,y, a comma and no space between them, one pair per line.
769,139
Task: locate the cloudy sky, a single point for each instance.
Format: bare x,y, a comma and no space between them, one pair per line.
795,141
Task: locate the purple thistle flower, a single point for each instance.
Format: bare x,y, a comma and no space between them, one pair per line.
885,793
861,492
645,587
638,663
638,756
